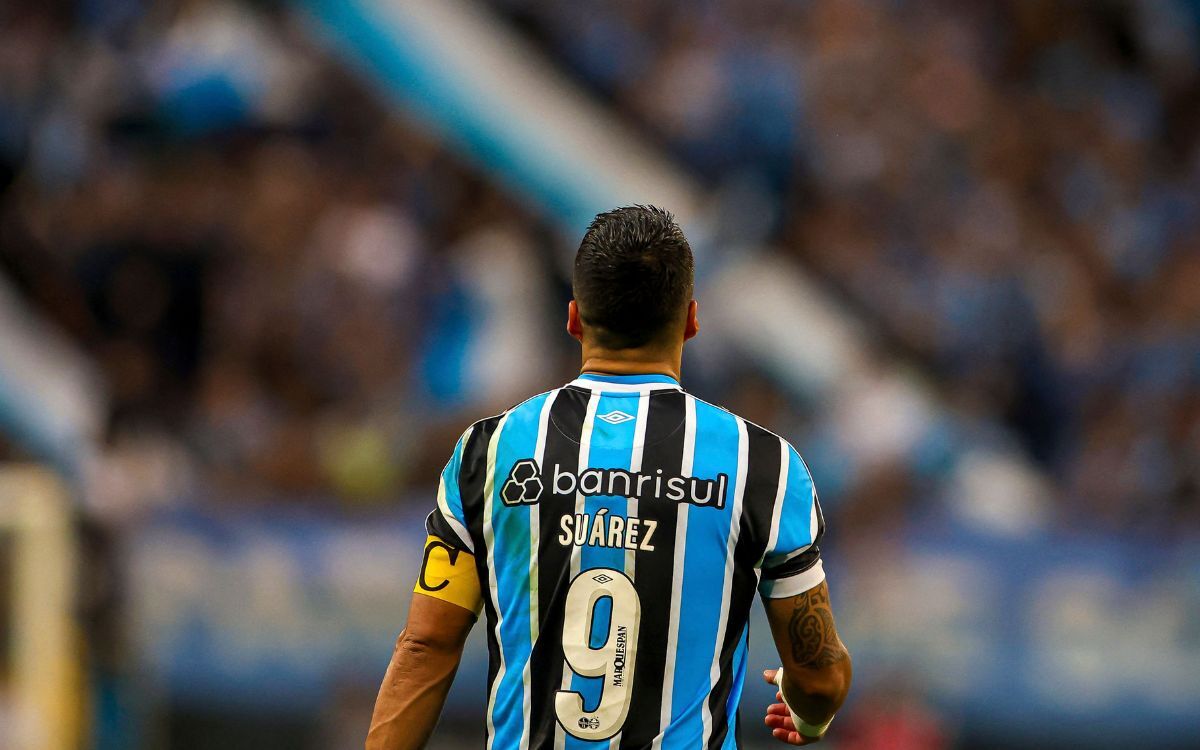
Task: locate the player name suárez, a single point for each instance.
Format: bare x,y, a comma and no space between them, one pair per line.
623,483
603,530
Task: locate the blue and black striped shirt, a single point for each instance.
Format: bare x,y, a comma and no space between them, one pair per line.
620,527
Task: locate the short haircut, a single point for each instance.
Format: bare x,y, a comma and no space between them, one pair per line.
633,276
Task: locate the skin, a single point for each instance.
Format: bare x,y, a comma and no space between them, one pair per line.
663,357
427,653
423,664
816,665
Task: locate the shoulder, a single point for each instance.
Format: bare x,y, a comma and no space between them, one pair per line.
762,443
529,409
755,432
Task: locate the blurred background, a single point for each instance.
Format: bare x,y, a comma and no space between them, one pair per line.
262,261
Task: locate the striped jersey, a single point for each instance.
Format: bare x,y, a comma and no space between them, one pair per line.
620,528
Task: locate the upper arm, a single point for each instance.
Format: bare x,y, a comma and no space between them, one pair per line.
791,563
437,624
446,599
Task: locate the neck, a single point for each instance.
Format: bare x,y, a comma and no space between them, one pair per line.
645,361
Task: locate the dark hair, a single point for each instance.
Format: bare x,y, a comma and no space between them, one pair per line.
633,276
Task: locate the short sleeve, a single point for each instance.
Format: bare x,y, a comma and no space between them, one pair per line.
792,564
447,521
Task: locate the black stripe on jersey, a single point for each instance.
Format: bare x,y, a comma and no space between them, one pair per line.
472,478
436,525
653,570
800,562
554,564
758,505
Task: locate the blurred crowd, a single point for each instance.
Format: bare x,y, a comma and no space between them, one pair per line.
1010,191
280,280
292,292
296,295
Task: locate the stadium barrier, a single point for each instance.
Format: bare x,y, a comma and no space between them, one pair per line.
40,686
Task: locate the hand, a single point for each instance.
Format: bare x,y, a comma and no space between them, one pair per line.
779,718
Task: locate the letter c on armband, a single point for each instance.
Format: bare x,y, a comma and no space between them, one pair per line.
450,552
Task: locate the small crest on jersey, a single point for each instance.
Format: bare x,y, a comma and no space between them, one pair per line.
524,484
616,416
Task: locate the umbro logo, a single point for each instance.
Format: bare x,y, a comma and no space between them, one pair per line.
615,417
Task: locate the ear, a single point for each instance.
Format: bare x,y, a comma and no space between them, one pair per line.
692,325
574,324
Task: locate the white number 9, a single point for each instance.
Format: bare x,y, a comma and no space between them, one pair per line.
614,660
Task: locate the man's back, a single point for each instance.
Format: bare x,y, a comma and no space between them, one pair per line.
620,528
614,531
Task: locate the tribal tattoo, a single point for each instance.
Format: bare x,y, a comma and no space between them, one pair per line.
815,642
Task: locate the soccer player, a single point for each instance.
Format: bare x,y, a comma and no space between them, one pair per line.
614,532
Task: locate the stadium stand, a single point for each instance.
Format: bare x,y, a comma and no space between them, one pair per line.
987,212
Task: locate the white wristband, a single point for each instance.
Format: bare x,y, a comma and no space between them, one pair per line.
812,731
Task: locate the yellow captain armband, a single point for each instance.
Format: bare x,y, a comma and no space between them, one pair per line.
449,574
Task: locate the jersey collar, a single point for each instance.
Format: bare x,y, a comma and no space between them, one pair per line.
638,383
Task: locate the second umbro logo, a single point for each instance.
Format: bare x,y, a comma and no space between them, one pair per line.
615,417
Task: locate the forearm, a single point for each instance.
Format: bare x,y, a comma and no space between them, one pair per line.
817,667
816,695
412,694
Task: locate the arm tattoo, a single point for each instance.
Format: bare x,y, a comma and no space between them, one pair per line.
815,642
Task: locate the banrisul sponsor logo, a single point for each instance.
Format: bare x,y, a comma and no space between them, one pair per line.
644,486
526,484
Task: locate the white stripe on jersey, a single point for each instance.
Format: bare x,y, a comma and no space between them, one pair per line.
799,583
600,385
631,503
539,453
735,527
489,538
681,522
635,465
585,446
